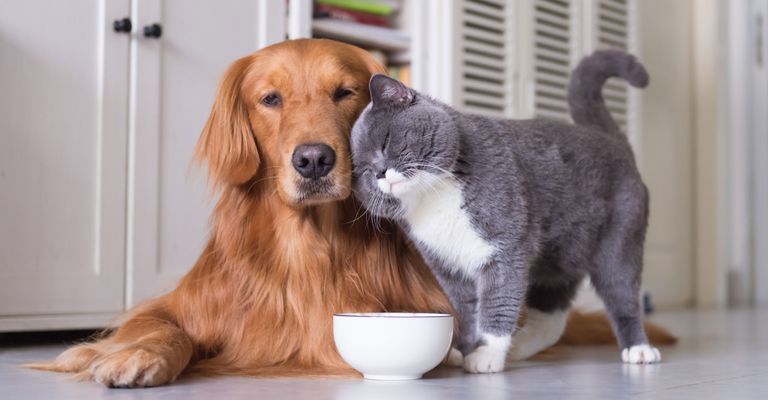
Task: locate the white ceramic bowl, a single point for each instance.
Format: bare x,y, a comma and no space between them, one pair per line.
393,346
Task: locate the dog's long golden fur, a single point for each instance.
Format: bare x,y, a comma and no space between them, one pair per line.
279,263
281,259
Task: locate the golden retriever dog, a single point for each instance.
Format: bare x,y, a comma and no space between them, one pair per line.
289,246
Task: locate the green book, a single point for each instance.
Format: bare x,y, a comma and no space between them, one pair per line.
371,7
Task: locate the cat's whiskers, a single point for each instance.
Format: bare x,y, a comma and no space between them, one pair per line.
426,184
446,172
360,207
378,200
430,181
371,211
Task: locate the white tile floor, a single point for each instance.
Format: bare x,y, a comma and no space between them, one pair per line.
722,354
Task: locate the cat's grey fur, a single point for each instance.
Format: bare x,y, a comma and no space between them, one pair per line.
557,201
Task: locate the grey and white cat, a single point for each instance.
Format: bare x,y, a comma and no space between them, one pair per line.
511,212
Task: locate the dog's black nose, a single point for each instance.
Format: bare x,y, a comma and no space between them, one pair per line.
313,161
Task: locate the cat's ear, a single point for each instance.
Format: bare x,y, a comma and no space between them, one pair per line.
388,91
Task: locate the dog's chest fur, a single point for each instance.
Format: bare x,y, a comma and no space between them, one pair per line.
439,222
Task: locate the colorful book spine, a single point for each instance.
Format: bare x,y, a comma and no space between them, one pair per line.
366,6
326,11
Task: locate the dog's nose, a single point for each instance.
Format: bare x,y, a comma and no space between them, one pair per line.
313,161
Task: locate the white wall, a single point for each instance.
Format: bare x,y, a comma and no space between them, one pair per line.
746,133
666,139
759,164
693,156
711,141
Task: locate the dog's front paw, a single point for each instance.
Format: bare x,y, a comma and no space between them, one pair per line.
641,354
74,359
485,359
135,367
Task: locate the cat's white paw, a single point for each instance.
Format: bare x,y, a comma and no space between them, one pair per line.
484,360
455,358
490,356
641,354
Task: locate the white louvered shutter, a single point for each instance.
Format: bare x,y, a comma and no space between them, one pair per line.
612,31
483,71
513,58
553,50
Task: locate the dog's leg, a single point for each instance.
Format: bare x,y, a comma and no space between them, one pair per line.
541,330
548,307
147,350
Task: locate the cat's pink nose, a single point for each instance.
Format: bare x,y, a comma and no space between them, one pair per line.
393,176
388,179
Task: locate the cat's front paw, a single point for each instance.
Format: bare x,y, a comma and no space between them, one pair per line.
485,359
641,354
490,356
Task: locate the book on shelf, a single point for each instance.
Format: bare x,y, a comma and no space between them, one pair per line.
342,14
361,34
376,7
365,23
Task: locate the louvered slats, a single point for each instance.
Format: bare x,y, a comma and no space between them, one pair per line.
552,50
488,81
483,57
612,33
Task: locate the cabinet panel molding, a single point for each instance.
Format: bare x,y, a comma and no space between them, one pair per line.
63,120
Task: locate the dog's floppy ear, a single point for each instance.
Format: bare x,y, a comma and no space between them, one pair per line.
227,143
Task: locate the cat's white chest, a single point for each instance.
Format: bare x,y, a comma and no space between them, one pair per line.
439,222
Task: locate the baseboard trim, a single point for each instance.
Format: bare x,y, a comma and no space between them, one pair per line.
22,323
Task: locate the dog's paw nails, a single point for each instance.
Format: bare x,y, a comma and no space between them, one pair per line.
454,358
641,354
131,368
484,360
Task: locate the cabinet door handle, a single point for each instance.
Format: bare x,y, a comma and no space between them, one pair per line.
153,31
122,25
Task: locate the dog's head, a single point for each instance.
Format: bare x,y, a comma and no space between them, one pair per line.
283,115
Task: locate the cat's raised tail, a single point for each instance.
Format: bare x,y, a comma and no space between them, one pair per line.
585,90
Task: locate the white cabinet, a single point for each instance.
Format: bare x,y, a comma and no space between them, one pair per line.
99,204
174,83
63,126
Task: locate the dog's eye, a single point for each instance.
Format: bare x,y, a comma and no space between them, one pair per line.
341,93
271,100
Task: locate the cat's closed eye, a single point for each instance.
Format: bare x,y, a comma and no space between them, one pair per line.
385,142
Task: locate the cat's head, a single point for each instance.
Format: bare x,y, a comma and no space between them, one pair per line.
402,144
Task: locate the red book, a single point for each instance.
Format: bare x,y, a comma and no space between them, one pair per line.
326,11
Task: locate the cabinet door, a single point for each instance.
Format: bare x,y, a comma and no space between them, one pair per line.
63,132
175,82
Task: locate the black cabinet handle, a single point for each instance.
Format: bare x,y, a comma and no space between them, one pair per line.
153,31
122,25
